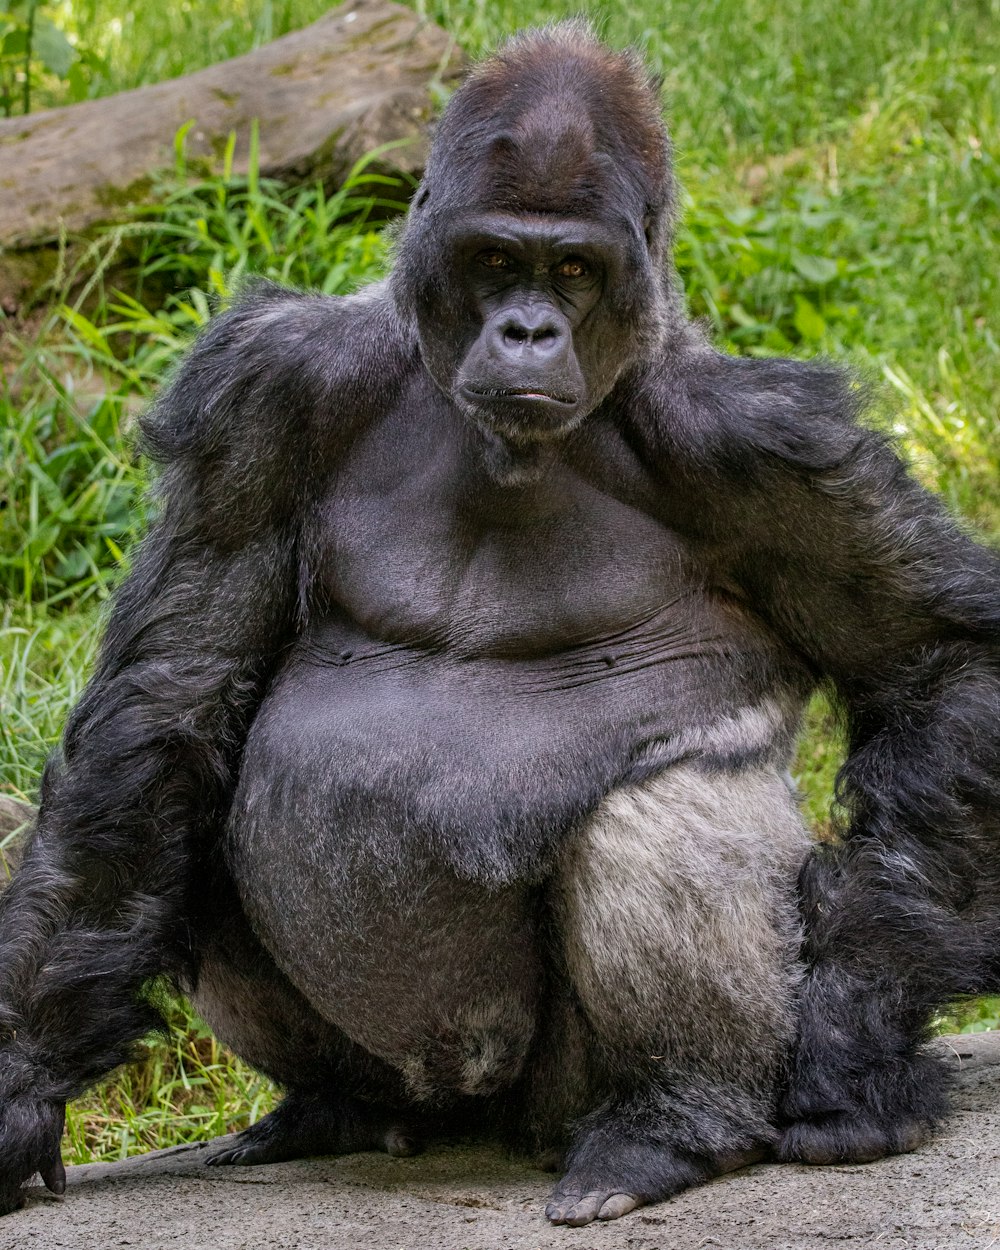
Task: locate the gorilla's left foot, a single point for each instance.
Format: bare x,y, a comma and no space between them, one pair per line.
608,1180
310,1123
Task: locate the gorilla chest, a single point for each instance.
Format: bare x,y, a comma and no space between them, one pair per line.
412,562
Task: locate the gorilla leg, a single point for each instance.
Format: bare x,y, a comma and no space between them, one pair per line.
677,906
339,1098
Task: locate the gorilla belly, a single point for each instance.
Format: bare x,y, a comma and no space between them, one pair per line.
399,809
482,763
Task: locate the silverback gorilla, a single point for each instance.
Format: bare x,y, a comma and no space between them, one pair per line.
438,740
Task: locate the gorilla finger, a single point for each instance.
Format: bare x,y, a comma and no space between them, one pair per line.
232,1157
618,1205
586,1210
559,1208
54,1175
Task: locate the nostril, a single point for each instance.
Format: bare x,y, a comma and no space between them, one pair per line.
528,332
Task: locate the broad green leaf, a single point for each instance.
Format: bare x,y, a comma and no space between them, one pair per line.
84,327
15,43
52,48
741,214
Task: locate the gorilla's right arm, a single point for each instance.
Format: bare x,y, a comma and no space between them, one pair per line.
138,793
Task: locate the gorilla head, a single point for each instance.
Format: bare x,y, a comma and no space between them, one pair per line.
532,259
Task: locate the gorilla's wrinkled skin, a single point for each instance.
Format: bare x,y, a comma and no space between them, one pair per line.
438,738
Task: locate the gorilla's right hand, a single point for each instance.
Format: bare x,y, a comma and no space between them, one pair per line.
30,1132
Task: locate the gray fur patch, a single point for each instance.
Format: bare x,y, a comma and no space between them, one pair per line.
677,902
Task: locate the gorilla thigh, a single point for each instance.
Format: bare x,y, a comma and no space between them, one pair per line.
677,910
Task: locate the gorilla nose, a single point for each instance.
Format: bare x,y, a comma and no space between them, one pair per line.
529,332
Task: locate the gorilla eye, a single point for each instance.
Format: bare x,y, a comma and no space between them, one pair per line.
495,260
572,269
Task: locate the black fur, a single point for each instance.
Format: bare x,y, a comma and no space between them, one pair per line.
440,567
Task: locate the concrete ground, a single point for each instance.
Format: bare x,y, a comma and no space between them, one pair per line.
945,1196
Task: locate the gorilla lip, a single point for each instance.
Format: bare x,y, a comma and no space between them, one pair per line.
513,393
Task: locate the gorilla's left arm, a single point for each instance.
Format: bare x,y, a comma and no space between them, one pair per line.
819,525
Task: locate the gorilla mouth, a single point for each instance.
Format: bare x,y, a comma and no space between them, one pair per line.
521,394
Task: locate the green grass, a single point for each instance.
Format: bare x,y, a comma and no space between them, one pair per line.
184,1087
841,170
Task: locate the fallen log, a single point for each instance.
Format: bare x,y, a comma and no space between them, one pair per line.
324,97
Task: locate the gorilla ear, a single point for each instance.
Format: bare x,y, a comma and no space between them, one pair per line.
648,224
422,196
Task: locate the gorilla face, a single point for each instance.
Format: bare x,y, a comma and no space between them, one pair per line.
535,327
534,361
534,287
532,265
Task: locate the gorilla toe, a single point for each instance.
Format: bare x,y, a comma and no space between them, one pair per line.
576,1209
616,1167
603,1184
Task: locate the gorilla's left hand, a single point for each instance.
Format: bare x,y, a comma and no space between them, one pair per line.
30,1132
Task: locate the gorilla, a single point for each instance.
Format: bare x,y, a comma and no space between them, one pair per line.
438,744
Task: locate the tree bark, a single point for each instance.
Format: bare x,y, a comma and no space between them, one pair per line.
324,97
